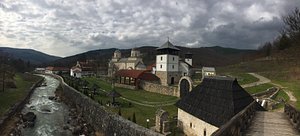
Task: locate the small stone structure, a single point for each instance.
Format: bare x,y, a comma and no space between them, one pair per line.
161,121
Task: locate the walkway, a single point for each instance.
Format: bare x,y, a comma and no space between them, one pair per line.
271,124
262,80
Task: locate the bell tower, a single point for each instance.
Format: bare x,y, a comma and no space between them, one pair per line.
167,64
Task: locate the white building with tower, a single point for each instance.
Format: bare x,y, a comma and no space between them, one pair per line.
169,66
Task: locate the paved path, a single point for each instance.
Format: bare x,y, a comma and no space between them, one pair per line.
289,93
264,80
271,124
261,80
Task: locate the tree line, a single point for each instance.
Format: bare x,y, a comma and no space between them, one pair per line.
9,66
289,35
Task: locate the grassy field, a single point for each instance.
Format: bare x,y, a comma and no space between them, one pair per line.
243,78
284,73
11,96
259,88
142,113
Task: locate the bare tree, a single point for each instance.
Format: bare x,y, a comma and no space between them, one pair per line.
292,25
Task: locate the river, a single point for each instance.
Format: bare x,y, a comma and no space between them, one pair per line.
51,115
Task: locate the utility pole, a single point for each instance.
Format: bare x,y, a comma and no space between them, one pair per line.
3,78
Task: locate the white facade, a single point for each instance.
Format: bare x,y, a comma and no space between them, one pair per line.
193,126
167,62
189,61
208,71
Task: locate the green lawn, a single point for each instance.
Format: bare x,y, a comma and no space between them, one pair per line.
243,78
259,88
11,96
142,113
281,95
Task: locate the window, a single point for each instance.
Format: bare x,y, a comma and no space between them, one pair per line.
160,66
172,66
160,58
204,132
191,125
173,58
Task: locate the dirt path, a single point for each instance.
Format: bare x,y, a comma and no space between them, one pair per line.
289,93
262,80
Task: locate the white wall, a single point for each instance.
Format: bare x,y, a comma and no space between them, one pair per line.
198,125
167,63
189,61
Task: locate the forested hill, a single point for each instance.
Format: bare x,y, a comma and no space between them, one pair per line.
204,56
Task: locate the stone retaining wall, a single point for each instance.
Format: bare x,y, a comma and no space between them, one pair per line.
17,108
157,88
103,121
132,87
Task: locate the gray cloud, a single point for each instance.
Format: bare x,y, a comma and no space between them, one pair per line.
66,27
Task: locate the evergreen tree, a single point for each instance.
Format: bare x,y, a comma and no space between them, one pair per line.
133,118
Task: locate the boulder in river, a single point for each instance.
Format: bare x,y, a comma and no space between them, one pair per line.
29,116
51,97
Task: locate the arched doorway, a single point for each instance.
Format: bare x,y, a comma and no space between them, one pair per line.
184,87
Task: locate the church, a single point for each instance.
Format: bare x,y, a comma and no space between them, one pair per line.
168,67
134,62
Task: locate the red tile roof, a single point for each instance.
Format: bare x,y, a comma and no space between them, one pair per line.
138,74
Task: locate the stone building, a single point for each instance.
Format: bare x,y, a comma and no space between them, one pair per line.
169,67
210,105
134,62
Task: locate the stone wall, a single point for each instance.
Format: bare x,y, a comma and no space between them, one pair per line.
103,121
17,108
132,87
157,88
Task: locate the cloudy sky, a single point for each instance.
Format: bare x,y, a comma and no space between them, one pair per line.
68,27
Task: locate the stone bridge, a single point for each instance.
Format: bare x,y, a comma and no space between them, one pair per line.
255,121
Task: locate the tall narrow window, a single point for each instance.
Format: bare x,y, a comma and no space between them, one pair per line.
204,132
160,66
160,58
173,58
172,66
191,125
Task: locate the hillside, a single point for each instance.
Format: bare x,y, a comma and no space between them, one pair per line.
282,67
35,57
205,56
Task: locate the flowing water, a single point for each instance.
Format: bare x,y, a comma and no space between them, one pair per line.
51,116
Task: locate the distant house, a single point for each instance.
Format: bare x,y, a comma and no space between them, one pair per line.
210,105
208,72
56,70
82,69
40,70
